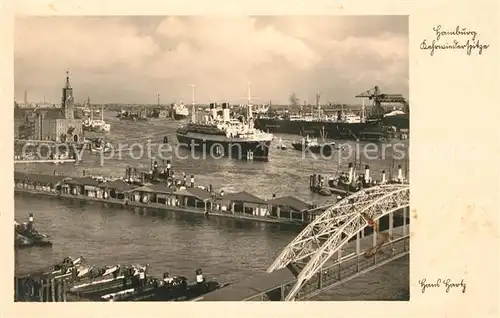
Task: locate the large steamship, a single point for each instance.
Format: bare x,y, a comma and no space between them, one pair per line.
220,136
373,125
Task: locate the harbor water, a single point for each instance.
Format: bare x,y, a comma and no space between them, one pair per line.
226,249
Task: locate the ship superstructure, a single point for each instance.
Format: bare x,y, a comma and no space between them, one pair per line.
220,136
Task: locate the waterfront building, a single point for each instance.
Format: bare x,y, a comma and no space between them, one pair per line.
288,207
51,124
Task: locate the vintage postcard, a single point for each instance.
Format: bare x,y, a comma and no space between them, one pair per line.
190,153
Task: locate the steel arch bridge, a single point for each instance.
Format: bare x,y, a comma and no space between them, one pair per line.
326,235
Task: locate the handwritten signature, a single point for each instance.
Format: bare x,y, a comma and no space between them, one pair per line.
459,38
447,284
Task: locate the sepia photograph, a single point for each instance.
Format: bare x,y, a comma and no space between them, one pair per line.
211,158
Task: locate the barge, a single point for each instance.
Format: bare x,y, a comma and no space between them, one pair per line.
112,283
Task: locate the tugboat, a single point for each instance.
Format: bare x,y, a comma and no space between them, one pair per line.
27,236
312,145
226,136
98,145
281,145
96,125
167,289
349,183
180,111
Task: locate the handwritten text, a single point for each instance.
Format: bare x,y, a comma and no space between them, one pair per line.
447,284
458,38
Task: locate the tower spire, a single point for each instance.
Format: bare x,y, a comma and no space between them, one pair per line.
68,85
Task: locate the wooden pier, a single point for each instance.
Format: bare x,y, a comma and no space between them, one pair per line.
42,289
45,161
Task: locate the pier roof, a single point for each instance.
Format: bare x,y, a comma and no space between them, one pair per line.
290,201
201,194
35,177
161,188
184,192
119,184
144,188
244,196
85,181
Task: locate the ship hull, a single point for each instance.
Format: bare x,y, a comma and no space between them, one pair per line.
219,146
325,150
313,128
179,116
333,130
398,121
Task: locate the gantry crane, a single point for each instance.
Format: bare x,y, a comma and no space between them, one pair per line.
378,98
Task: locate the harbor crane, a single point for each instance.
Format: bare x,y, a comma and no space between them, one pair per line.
374,94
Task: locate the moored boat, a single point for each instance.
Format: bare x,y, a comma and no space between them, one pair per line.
281,145
27,236
180,111
218,136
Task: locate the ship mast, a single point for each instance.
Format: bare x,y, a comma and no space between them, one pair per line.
250,115
91,109
193,104
318,107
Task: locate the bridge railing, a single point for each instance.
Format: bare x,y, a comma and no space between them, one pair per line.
353,266
341,270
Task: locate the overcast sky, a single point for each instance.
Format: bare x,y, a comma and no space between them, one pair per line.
132,59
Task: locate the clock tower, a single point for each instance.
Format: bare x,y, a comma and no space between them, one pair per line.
68,100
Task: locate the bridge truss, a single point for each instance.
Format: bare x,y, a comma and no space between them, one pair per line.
326,235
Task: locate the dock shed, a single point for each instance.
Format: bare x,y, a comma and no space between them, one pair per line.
86,186
289,207
116,189
244,202
42,182
150,193
199,198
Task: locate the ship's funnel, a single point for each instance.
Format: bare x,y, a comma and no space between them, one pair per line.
193,114
192,181
225,112
213,111
351,172
367,174
30,222
400,173
250,112
383,177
